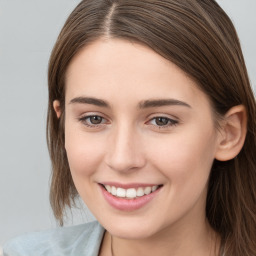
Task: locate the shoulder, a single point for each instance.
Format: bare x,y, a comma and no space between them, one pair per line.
83,239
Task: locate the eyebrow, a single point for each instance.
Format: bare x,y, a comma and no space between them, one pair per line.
141,105
90,100
162,102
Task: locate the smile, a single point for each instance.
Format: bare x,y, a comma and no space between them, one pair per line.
130,193
129,197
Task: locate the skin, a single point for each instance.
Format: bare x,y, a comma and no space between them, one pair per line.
129,145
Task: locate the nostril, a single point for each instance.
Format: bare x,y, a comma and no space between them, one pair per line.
125,163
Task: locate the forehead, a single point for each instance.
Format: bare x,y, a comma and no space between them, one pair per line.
133,71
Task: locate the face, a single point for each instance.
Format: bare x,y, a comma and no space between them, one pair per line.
140,139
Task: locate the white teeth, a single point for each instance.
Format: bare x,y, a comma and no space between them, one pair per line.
108,188
140,192
147,190
130,192
120,192
113,191
154,188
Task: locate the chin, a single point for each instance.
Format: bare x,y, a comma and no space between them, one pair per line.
132,230
134,234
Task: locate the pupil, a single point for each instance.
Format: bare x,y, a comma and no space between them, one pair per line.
161,121
95,119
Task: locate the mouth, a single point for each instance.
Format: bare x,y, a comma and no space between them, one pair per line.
131,192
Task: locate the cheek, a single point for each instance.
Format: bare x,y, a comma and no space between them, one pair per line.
84,152
187,159
84,156
186,166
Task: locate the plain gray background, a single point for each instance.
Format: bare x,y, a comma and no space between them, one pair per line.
28,30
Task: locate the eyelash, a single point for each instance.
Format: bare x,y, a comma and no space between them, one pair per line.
85,119
170,122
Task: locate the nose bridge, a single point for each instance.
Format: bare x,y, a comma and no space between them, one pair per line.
125,150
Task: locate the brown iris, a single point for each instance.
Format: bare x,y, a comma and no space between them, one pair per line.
161,121
95,119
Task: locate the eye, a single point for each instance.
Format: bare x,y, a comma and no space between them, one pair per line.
163,122
93,120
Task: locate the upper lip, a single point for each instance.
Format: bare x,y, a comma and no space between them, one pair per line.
129,185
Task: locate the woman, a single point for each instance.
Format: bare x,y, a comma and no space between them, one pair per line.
151,121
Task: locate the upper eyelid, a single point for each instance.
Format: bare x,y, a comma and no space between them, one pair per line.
168,116
89,114
103,114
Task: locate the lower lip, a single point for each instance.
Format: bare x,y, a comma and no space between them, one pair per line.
128,204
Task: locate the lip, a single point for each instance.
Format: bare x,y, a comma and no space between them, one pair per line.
130,185
128,204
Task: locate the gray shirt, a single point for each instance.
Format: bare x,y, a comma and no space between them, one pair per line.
81,240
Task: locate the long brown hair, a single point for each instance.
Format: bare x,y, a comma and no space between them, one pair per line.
198,37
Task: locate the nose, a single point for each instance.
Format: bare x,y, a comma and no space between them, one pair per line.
125,153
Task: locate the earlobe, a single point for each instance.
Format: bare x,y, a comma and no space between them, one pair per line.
233,133
57,109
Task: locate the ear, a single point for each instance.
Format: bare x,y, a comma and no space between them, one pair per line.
232,134
57,109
